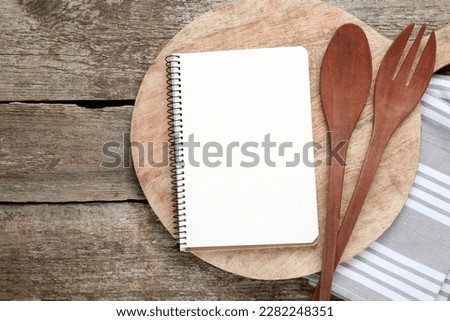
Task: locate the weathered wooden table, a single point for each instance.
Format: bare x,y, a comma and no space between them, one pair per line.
71,229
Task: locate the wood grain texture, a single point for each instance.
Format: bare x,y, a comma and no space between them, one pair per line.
112,251
92,50
53,153
250,24
75,50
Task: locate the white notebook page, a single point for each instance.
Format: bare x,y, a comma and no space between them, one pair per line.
235,99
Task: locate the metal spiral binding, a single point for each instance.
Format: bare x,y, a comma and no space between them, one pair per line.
175,122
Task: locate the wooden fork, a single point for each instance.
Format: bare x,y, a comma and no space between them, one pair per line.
396,95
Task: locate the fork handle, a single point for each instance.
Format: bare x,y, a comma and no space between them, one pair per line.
374,153
368,171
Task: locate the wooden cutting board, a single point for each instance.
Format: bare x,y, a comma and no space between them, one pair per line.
253,24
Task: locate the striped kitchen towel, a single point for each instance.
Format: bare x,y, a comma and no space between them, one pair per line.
411,260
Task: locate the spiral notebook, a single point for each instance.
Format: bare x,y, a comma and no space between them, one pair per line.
241,148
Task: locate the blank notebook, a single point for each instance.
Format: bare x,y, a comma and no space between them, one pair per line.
241,148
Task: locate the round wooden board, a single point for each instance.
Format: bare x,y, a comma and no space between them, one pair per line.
254,24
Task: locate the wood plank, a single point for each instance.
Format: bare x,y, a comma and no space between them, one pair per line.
53,153
112,251
389,17
84,50
77,50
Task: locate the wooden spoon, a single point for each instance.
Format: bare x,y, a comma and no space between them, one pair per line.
345,80
396,95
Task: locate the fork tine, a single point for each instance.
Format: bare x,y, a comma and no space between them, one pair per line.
407,64
425,67
394,53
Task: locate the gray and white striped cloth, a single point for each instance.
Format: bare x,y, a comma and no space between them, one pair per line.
411,260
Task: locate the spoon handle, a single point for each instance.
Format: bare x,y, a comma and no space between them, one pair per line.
377,145
335,185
